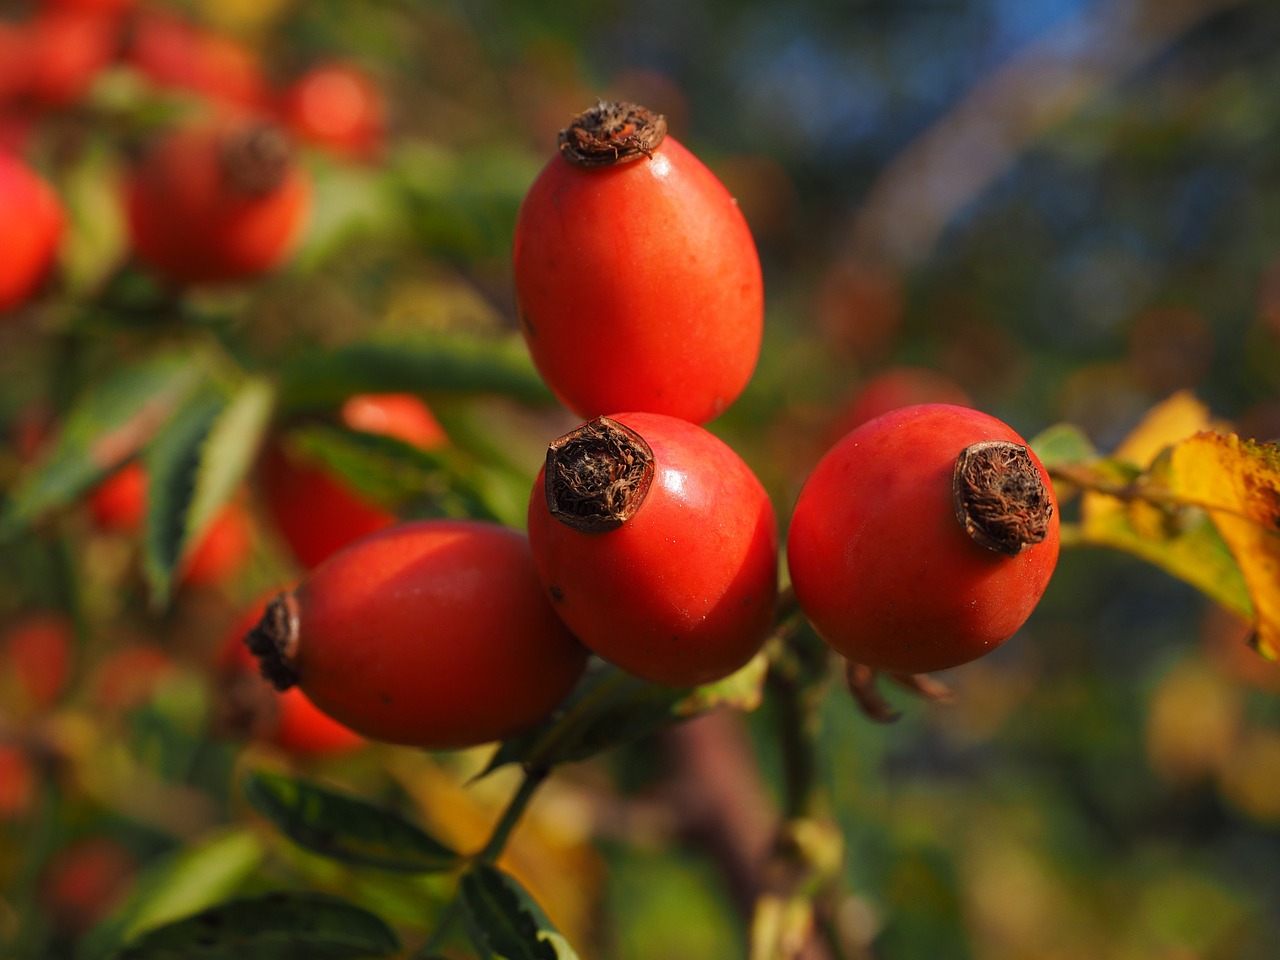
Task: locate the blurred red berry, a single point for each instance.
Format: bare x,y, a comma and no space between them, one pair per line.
337,106
33,223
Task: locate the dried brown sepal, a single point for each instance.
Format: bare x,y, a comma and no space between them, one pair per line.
598,475
255,159
274,641
612,132
923,685
1001,499
861,681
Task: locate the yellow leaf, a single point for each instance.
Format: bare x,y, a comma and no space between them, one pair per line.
1143,519
1237,482
1176,418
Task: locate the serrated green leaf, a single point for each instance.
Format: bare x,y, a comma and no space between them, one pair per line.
274,926
110,422
610,707
505,921
443,364
228,452
346,828
173,463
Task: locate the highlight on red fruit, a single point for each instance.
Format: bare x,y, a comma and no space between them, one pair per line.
337,106
657,545
637,278
315,511
923,539
249,706
217,202
431,633
33,226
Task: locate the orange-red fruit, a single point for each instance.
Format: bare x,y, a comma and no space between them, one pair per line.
119,503
433,633
683,590
336,106
33,224
69,47
217,202
285,718
894,388
174,53
639,284
18,782
84,880
222,550
36,657
316,512
878,556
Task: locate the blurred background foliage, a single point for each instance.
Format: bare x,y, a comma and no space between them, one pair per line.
1071,209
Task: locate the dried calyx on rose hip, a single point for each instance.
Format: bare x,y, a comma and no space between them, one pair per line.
430,633
923,539
657,545
637,278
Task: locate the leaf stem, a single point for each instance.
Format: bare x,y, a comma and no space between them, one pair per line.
492,850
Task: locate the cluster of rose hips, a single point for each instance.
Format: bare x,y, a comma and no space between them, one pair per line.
921,540
216,195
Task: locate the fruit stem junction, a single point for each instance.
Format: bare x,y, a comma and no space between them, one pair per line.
274,641
598,475
612,132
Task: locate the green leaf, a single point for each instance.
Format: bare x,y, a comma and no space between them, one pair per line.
396,474
195,877
274,926
173,462
610,707
503,920
228,452
444,364
1063,443
346,828
110,422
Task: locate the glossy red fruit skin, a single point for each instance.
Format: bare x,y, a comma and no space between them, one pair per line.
433,633
684,592
879,562
34,223
192,224
296,725
639,286
339,107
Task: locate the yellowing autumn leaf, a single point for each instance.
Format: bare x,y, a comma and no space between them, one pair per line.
1237,483
1127,505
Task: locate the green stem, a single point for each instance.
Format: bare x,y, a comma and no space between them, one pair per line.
492,850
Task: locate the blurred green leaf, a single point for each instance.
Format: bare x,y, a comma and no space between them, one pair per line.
504,920
346,828
192,879
270,927
1063,443
398,474
228,451
173,461
611,707
445,364
110,422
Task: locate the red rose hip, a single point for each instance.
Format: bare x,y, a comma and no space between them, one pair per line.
657,546
637,277
432,633
923,539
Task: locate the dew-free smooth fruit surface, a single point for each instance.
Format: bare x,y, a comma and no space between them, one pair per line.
639,286
684,591
434,633
879,561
